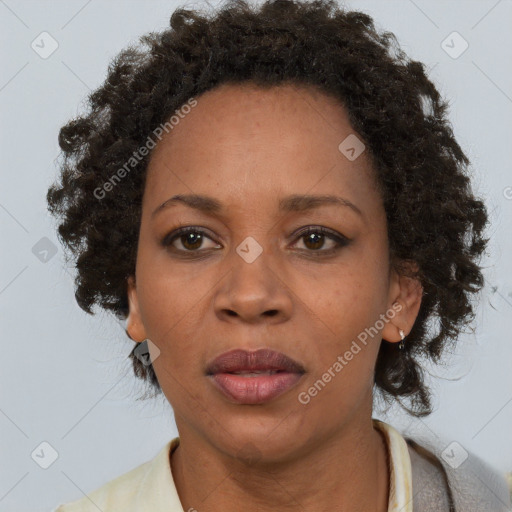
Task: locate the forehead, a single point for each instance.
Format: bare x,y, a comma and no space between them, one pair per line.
245,114
253,142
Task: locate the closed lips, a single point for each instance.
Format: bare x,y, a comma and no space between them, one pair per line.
259,372
263,361
254,378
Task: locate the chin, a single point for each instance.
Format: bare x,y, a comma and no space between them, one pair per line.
261,438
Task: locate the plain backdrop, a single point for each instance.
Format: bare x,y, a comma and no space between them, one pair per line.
65,376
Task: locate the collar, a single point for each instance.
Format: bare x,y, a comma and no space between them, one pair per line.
400,480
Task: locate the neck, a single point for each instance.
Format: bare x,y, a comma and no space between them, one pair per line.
347,471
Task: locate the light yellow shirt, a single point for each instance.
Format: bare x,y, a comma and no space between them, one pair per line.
150,486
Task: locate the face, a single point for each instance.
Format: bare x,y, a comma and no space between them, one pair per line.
248,275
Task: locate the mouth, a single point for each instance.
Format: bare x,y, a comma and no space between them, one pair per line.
254,377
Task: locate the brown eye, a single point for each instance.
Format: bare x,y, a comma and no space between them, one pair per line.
190,238
314,239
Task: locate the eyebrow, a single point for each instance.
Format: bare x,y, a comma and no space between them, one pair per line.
293,203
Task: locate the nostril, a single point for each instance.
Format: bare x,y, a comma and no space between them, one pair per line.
272,312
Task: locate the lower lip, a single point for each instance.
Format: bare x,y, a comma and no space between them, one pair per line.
254,389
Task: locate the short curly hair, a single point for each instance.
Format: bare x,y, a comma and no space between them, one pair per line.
433,217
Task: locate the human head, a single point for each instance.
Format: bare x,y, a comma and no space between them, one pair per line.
433,220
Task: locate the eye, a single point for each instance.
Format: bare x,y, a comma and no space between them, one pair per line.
314,238
190,238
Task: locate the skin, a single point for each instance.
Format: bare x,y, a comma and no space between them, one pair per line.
249,147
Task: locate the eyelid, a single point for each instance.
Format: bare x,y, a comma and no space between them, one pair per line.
340,240
183,230
320,229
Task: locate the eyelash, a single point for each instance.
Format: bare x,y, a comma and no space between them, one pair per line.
340,240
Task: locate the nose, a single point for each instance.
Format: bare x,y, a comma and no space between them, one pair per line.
253,292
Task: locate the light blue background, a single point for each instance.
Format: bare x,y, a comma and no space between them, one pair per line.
65,377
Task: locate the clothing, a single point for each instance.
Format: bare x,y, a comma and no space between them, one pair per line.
416,483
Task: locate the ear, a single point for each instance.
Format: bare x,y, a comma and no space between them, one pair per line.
134,327
405,295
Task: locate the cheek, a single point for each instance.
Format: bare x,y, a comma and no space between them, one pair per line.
171,317
346,300
171,306
343,374
168,293
345,306
174,329
350,335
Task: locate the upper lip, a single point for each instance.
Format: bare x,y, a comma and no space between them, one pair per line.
239,360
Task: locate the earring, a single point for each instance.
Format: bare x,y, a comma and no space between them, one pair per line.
401,345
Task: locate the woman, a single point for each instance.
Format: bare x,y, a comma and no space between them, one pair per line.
273,199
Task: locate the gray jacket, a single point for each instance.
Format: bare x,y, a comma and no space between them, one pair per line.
473,486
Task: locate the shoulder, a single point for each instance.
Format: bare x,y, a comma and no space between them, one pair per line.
127,491
450,473
118,492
